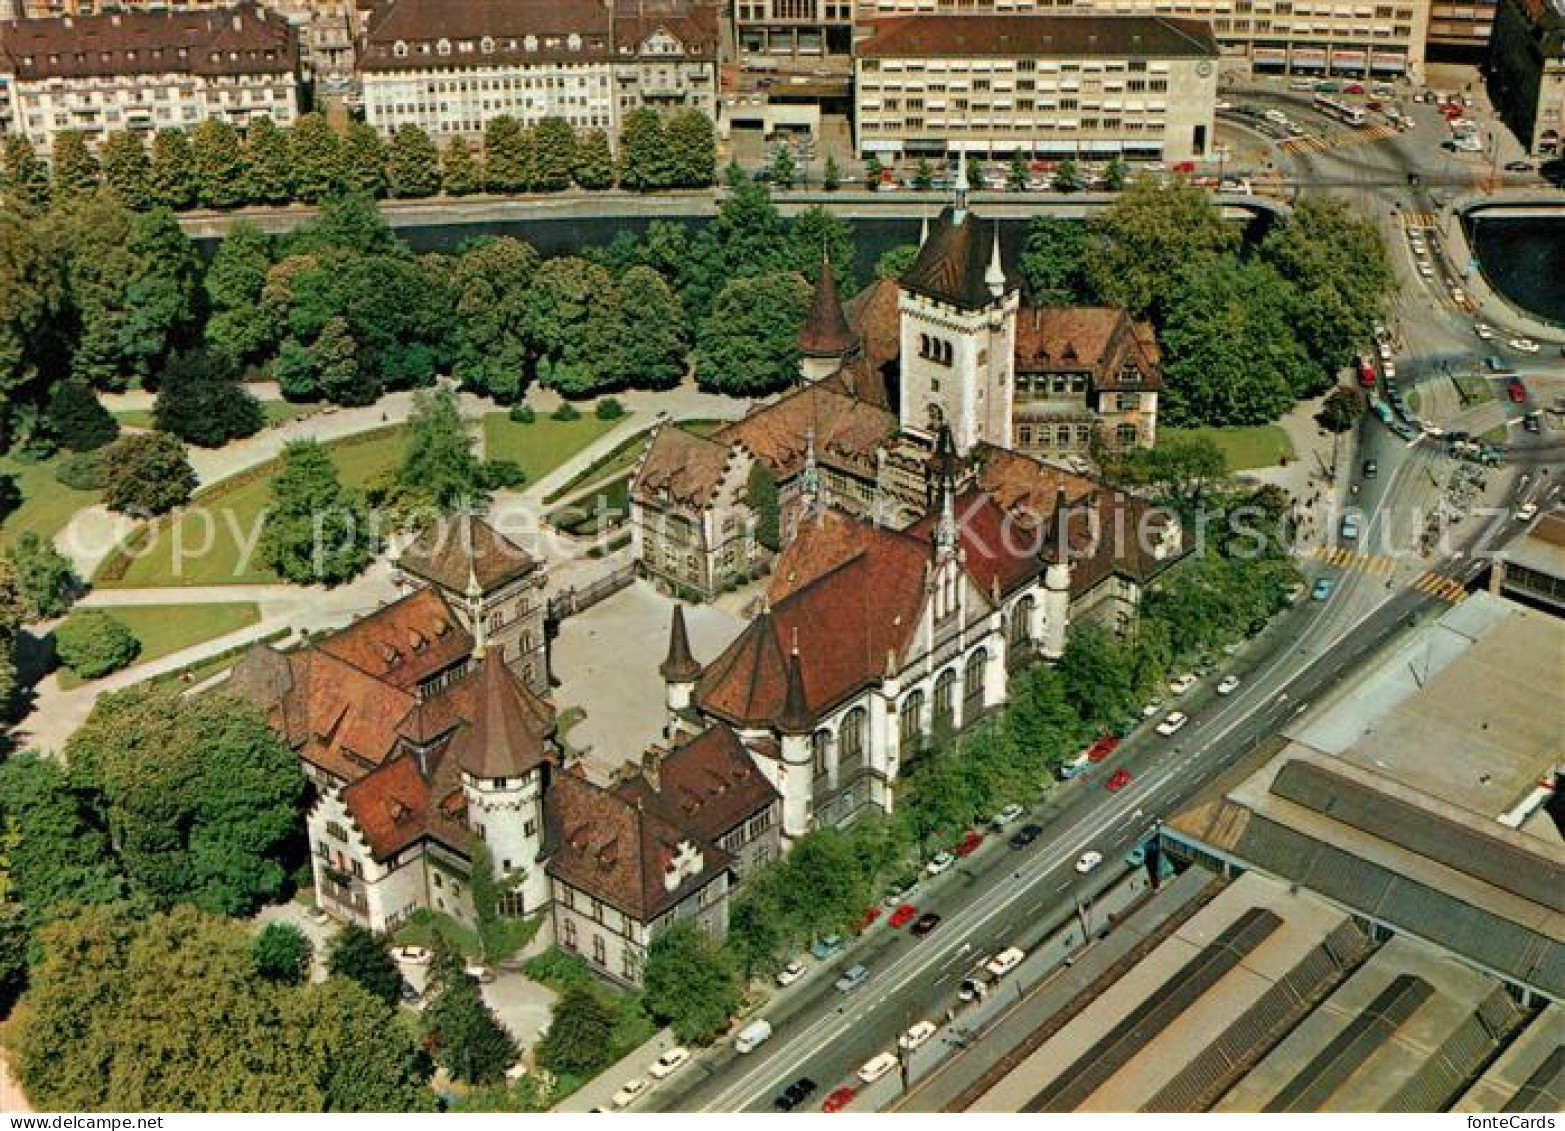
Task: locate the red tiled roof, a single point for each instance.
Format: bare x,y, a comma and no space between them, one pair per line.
689,467
826,332
847,430
509,728
621,851
405,642
1100,340
997,547
451,551
710,785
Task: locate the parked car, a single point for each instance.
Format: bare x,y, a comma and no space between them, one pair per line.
1102,748
412,955
1118,780
1006,961
1516,391
480,974
1228,685
852,978
940,863
1137,856
1323,588
1025,835
1497,365
1089,860
1371,469
1006,816
927,922
917,1035
1151,709
903,915
794,1094
669,1063
838,1100
407,992
1174,721
756,1033
1533,422
1181,684
824,948
969,843
629,1092
1484,331
1526,512
876,1067
1518,167
868,920
790,973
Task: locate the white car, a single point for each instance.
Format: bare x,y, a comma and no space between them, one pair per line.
1089,861
1151,709
1384,350
1390,370
669,1063
1228,685
940,864
1006,816
1181,684
790,973
1525,345
917,1035
1526,512
412,955
1484,331
630,1092
1172,723
876,1067
1006,961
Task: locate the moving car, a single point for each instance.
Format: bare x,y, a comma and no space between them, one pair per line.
917,1035
1526,512
1172,723
838,1100
669,1063
794,1094
1371,469
790,973
1088,861
1524,345
1484,331
940,863
852,978
1228,685
903,915
1497,365
876,1067
1323,588
1349,528
1533,422
1006,961
927,922
629,1092
1025,835
1181,684
1119,780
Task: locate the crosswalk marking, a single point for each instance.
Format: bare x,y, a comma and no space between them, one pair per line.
1366,135
1414,220
1348,559
1439,585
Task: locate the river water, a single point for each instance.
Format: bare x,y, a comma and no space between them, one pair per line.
1524,259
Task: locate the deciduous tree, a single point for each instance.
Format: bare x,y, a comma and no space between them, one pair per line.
508,156
74,168
364,957
281,954
127,170
91,643
199,401
438,468
554,155
594,161
493,278
316,530
692,144
578,1042
413,166
747,345
173,169
364,156
646,160
44,576
26,178
459,171
219,163
1151,234
320,168
146,473
651,340
268,164
690,983
239,324
78,420
1054,260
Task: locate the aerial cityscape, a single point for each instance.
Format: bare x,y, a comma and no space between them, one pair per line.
782,556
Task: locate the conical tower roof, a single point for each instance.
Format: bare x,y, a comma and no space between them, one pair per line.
827,333
508,735
795,717
680,666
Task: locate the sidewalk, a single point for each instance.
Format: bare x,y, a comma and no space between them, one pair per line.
597,1094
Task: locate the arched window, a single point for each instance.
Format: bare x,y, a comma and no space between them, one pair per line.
911,719
973,684
945,352
399,49
850,738
1021,622
945,700
1125,435
443,47
923,345
820,750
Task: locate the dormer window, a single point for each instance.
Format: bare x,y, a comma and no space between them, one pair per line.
573,41
400,49
443,47
530,43
486,45
1130,375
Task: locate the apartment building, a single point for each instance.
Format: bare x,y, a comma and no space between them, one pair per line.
1461,28
146,71
449,68
1384,38
1527,71
1054,85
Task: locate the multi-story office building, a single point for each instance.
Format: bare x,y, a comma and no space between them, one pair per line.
1460,28
1056,85
146,71
449,69
1347,37
1527,71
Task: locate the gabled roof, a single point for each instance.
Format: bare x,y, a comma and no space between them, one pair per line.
1100,340
451,553
709,786
403,643
400,803
622,851
509,728
953,261
997,548
688,467
847,430
849,595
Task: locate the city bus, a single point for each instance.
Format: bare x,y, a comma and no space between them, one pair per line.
1336,108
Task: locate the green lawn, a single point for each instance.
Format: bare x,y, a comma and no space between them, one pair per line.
1260,445
1473,388
204,547
163,629
543,445
276,412
47,504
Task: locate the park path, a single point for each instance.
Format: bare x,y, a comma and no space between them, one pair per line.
57,712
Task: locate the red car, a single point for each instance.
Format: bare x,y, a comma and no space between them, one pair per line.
1102,748
1353,88
1119,780
864,924
903,915
969,843
1516,391
838,1100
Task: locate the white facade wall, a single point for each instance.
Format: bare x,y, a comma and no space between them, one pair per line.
959,362
379,896
452,101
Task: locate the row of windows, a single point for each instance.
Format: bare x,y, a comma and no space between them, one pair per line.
959,127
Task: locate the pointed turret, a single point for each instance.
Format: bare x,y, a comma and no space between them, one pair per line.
508,736
826,334
959,201
795,718
994,275
680,666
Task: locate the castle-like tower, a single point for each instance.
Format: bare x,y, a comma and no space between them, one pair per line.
957,310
